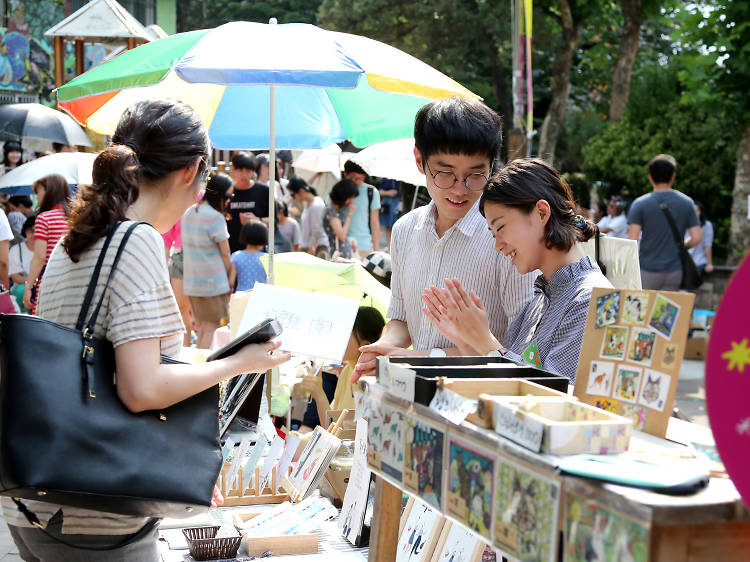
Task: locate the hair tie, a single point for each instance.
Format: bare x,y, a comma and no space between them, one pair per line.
579,222
132,145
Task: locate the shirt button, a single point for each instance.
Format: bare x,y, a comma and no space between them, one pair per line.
439,248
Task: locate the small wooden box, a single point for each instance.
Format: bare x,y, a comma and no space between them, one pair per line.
484,389
286,544
560,426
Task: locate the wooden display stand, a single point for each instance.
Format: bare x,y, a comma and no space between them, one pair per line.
712,524
253,495
279,545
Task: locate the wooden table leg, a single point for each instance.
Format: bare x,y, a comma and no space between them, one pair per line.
385,519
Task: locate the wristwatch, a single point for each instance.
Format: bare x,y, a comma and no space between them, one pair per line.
437,352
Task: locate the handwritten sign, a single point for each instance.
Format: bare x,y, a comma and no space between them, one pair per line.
314,324
399,381
452,405
512,423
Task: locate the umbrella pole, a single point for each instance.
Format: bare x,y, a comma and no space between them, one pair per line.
271,185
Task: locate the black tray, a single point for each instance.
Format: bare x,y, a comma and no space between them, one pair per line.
428,369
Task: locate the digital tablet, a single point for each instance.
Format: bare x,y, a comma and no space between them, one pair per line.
260,333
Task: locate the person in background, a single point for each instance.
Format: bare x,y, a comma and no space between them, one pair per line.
12,155
658,253
368,326
250,199
314,239
390,198
615,223
20,261
531,213
264,176
365,224
207,264
702,253
60,147
289,228
53,194
598,212
176,264
248,268
342,197
152,172
20,207
6,235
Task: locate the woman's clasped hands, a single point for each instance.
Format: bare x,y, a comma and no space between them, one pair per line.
461,317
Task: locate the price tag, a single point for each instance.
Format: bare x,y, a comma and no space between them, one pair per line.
452,406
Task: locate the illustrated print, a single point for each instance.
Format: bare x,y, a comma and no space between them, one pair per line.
615,340
423,461
526,510
594,532
636,413
635,308
459,546
392,449
419,532
601,375
627,382
670,356
471,487
607,309
655,390
641,346
606,404
664,316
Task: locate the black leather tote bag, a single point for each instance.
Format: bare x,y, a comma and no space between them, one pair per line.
65,436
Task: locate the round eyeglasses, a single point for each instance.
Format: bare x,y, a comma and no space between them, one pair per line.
446,180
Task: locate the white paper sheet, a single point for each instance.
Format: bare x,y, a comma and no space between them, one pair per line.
314,324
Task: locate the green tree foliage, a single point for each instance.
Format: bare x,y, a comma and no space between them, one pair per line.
657,122
203,14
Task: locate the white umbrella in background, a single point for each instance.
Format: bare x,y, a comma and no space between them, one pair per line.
76,167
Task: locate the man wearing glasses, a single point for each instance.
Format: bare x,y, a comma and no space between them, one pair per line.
456,144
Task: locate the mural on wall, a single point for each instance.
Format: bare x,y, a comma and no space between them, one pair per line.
26,59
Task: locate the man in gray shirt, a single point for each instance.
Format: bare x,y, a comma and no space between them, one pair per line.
658,252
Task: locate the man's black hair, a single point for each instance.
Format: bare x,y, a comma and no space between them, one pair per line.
368,325
458,126
24,200
352,167
254,234
27,224
244,161
661,168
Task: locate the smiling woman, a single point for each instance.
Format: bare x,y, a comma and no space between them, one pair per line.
531,214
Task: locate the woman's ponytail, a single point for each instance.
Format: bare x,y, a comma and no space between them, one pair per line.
101,205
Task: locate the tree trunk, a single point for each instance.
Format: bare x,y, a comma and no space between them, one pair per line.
555,117
739,233
632,11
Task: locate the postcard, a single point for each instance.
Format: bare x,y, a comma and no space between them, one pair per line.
423,460
655,389
664,316
615,340
601,376
635,308
641,346
607,309
627,382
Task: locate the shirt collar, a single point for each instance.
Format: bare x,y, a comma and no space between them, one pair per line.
564,277
468,224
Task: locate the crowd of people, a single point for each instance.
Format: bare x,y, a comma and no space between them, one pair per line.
490,266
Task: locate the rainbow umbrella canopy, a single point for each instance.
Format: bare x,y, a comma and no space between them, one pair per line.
259,86
328,86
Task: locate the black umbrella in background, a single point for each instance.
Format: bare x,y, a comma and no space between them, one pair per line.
34,120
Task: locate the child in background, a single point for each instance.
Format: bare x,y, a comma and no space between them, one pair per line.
367,328
247,266
289,228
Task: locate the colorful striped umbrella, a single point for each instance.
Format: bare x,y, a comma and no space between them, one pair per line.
361,89
329,86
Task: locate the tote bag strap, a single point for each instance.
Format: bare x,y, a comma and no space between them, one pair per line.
94,280
92,320
670,219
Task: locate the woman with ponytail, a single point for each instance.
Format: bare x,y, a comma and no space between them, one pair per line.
531,213
152,172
